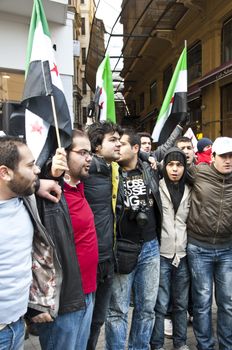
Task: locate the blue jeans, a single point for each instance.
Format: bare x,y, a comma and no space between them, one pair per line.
144,280
210,266
12,336
68,331
174,283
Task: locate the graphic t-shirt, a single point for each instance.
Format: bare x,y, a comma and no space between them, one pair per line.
138,201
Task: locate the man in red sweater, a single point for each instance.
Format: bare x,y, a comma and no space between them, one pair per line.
75,161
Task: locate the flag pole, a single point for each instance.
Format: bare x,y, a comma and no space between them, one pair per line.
55,121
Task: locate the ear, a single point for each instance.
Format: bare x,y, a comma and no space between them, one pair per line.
6,174
213,158
136,148
98,149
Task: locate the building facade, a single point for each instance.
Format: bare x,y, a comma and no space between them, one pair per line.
14,27
87,8
157,31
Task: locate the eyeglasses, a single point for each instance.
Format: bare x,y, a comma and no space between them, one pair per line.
83,152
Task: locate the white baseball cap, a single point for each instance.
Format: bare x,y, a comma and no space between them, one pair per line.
222,145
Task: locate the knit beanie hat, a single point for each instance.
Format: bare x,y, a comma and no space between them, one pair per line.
202,143
176,190
175,154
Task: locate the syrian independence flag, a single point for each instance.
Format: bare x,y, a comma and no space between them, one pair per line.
104,94
174,106
42,81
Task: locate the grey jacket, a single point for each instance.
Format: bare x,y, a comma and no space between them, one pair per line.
174,227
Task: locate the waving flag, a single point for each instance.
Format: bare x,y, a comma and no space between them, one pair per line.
105,91
42,81
174,106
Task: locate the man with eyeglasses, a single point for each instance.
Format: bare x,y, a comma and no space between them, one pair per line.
101,193
70,329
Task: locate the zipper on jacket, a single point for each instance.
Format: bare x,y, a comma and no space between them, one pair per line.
220,211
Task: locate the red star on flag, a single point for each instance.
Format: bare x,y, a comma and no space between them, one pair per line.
36,127
55,69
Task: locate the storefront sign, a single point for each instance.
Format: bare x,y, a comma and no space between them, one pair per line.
216,74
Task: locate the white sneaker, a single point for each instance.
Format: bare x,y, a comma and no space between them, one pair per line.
168,329
183,347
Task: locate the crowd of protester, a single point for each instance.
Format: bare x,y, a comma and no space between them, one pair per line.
108,223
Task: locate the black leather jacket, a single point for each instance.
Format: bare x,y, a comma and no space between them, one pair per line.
98,192
151,179
55,217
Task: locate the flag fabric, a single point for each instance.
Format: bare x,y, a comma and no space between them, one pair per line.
190,134
174,107
104,91
42,81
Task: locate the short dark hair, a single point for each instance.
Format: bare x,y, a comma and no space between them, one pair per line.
76,133
183,139
145,134
9,151
133,137
98,130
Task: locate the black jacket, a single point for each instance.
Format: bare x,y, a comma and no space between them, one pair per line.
151,179
98,192
55,217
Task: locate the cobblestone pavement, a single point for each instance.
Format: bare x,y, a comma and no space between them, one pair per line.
33,343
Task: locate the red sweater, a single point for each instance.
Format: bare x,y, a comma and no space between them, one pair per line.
84,235
204,157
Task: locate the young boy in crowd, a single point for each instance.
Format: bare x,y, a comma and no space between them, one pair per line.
174,273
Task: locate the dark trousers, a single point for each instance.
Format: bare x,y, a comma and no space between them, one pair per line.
105,276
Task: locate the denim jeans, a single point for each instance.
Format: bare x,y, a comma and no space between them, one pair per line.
210,266
12,336
105,276
68,331
174,283
144,280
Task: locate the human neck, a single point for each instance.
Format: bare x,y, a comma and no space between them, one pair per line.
71,181
6,195
131,165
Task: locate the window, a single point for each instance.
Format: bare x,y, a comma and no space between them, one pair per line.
167,76
83,25
141,102
83,55
195,112
226,118
82,1
84,87
132,107
11,85
84,114
153,92
227,41
194,60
